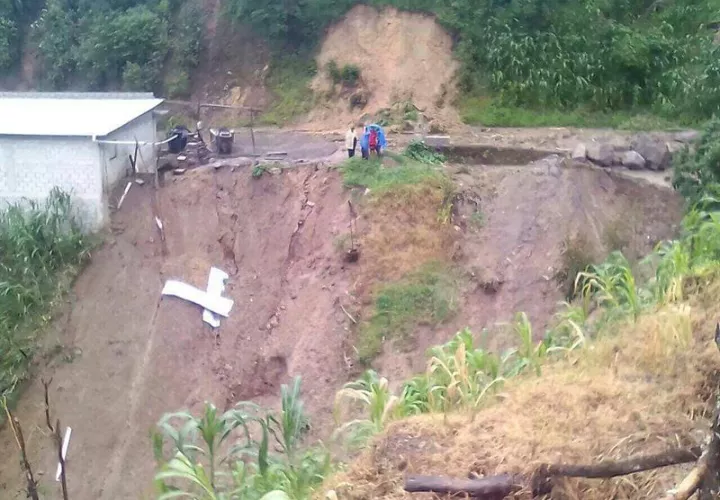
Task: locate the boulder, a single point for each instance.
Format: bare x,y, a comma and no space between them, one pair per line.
580,152
687,136
601,154
655,151
633,160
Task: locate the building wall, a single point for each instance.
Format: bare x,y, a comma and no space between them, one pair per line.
115,157
31,166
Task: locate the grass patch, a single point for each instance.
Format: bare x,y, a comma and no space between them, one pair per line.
478,220
378,177
289,81
487,112
41,251
424,297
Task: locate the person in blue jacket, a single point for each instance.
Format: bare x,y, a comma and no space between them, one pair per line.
373,139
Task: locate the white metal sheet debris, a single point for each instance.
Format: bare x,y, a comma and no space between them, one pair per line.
122,198
216,286
218,305
66,443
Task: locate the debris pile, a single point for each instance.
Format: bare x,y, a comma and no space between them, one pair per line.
644,152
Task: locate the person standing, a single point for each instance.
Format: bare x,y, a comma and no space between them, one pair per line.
351,141
365,144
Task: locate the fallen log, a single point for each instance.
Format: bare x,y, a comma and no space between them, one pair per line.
690,484
611,468
489,487
540,482
710,485
705,477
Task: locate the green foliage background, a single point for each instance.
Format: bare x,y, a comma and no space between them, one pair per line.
142,45
645,56
597,55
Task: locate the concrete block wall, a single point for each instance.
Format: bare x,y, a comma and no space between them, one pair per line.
31,166
115,156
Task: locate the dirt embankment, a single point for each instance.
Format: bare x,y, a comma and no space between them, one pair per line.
510,226
139,356
402,56
135,356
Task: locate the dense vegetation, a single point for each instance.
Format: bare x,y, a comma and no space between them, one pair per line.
591,58
41,249
594,55
129,44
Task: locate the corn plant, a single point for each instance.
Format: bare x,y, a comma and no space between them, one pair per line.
460,374
373,394
527,355
41,245
568,331
612,286
228,456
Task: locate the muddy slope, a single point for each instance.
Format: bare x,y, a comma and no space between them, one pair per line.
136,356
140,356
509,260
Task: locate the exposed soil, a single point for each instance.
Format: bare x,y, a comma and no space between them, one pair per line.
136,356
402,56
141,356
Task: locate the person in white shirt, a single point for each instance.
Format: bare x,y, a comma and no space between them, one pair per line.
351,141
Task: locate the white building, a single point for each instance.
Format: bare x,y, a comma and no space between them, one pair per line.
79,142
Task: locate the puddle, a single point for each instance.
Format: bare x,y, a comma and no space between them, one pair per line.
493,155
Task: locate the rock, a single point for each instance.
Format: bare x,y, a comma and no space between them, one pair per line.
139,182
580,152
310,204
275,171
687,136
179,171
274,322
601,154
655,151
437,141
359,99
633,160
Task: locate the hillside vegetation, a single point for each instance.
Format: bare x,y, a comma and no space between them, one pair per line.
590,56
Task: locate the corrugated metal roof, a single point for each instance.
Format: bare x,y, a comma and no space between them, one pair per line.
70,113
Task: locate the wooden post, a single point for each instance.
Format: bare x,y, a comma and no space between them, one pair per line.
32,492
46,384
252,133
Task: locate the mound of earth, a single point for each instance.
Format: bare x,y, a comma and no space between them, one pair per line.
402,56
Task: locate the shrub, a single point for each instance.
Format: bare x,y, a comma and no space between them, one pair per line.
350,74
577,255
697,169
419,151
8,39
127,47
41,246
333,71
178,84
